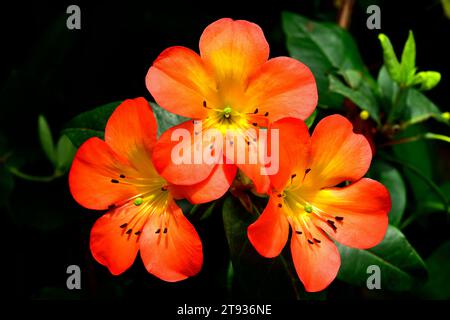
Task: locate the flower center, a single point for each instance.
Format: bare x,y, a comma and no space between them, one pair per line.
153,199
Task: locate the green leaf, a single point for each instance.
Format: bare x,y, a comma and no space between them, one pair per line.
89,124
419,108
364,98
65,152
391,178
427,79
400,265
46,139
324,48
388,89
390,58
408,64
437,286
310,120
92,123
166,119
446,7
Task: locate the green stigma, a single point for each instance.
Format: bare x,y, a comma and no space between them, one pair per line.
138,201
308,208
446,115
227,111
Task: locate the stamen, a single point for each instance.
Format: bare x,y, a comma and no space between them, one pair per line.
280,205
255,124
266,114
204,104
339,218
114,181
298,232
138,232
317,240
164,188
279,195
256,111
122,176
307,170
129,231
158,231
331,224
123,225
165,230
310,242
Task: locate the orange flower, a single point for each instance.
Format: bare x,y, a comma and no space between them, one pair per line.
306,195
232,87
117,174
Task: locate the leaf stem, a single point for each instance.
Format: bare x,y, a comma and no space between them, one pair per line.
29,177
427,135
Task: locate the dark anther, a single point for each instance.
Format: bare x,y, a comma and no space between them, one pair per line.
298,232
204,103
122,176
293,176
138,232
231,143
254,124
165,230
123,225
279,195
211,147
307,170
158,231
331,224
196,133
163,188
310,242
339,218
317,240
248,142
114,181
280,205
129,231
266,114
256,111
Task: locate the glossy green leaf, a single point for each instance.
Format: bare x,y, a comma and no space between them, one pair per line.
65,152
391,178
388,89
400,265
165,118
89,124
92,123
363,97
46,139
419,108
324,48
437,286
408,63
390,58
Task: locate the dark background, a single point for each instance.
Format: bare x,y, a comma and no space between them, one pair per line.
48,69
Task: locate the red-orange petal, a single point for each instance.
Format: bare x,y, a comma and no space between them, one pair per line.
179,82
317,264
283,87
177,172
131,131
110,244
363,206
338,154
171,251
269,233
294,151
94,177
233,49
212,188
